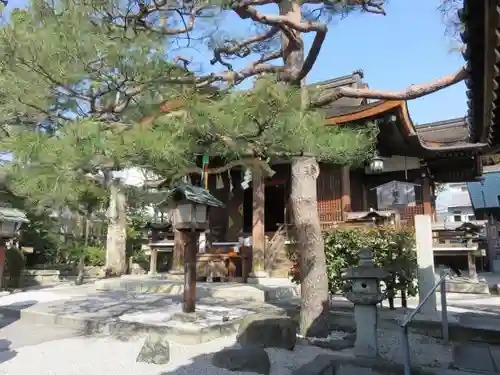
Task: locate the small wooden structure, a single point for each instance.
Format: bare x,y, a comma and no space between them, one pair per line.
224,261
371,218
461,241
161,247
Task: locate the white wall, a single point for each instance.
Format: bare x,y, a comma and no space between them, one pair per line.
134,176
453,200
460,214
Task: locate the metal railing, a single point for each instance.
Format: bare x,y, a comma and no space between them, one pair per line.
441,284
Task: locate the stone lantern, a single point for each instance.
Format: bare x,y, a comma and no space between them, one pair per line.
190,218
376,164
10,223
365,294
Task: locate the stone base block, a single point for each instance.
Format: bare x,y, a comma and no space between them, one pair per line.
468,287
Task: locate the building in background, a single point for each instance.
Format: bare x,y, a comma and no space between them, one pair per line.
453,205
485,198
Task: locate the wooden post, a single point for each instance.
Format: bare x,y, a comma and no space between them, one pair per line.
245,263
346,192
178,255
426,196
364,192
153,261
2,261
471,262
258,230
190,248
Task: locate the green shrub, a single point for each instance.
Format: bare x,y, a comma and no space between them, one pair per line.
95,256
392,249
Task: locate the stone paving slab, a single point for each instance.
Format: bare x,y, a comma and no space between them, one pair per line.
127,314
476,357
495,356
20,333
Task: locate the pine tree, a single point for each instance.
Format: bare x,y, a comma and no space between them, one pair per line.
71,83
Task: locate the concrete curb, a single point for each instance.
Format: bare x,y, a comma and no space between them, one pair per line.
125,330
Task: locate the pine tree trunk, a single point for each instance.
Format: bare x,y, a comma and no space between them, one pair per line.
304,174
116,264
81,263
313,278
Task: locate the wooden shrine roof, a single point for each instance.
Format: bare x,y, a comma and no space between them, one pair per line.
400,136
481,19
453,131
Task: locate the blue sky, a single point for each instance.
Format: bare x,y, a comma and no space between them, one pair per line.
408,46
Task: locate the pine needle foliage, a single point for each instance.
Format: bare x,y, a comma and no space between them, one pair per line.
62,59
264,122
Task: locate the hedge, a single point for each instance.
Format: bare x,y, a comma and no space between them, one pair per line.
393,249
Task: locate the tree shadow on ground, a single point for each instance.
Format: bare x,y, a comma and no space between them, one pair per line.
5,352
9,315
282,361
201,361
12,312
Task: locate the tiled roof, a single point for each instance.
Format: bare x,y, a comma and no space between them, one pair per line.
338,109
481,19
342,105
485,196
448,131
12,214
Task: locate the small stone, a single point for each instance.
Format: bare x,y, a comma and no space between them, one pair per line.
267,331
245,359
154,350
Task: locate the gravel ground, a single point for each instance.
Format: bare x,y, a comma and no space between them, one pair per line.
101,355
424,350
108,356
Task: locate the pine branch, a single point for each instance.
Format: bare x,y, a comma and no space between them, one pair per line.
138,21
412,92
236,48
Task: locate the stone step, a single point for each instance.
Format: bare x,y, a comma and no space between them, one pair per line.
476,357
226,290
467,286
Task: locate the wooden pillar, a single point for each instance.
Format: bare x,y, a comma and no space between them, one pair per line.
426,196
364,192
258,230
2,261
178,255
153,261
471,262
346,191
190,248
235,208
